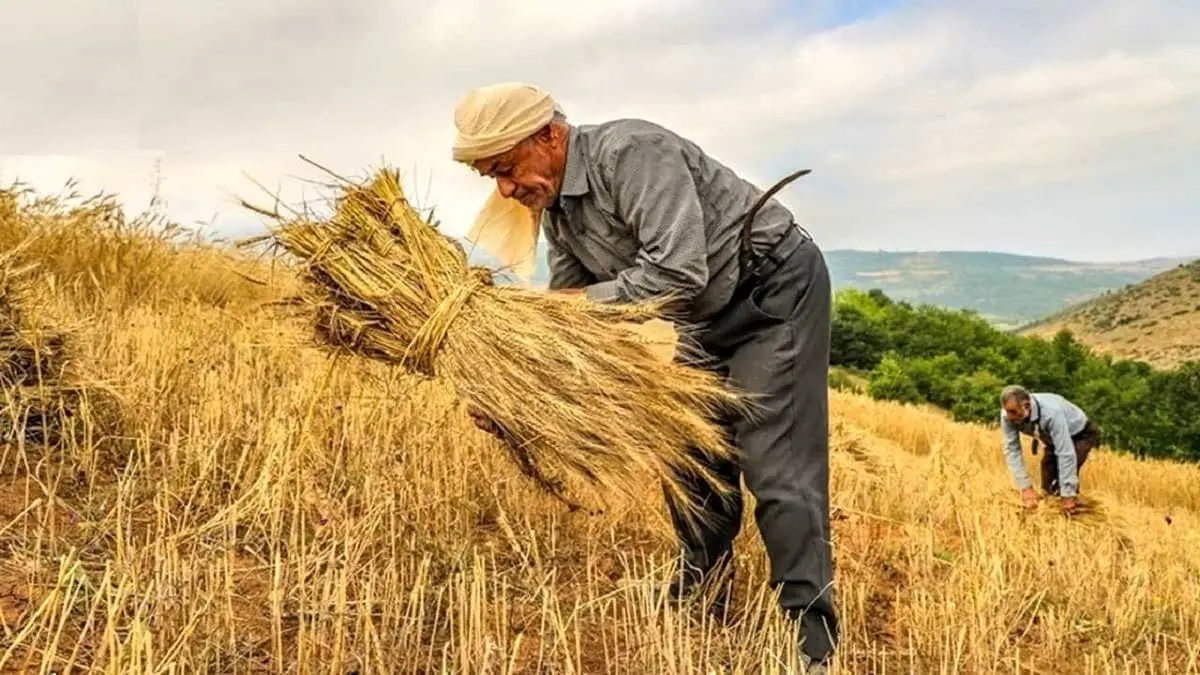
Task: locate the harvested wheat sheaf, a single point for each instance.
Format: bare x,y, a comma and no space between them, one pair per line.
43,400
573,392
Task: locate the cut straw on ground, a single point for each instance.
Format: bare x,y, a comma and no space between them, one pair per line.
573,393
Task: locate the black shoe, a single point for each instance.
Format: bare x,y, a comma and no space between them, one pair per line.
822,662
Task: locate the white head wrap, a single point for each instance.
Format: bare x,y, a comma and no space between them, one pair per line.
492,120
508,230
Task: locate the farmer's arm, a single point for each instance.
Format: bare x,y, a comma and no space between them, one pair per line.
1012,453
566,272
1064,450
655,195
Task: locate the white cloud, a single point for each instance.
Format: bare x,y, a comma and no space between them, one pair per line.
1057,128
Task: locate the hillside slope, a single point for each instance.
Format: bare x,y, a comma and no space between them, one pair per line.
1007,289
260,507
1156,321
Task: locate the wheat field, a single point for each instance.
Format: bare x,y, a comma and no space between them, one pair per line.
250,504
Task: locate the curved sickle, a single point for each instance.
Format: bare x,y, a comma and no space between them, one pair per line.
746,250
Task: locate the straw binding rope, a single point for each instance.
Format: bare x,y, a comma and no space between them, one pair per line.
427,342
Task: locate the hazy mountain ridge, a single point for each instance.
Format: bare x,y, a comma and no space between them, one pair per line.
1156,321
1006,288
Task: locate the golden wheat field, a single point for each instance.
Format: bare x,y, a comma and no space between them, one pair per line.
228,499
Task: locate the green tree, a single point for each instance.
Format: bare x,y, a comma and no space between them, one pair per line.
977,397
857,341
890,380
956,360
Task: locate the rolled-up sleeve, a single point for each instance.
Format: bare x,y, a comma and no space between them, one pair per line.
655,195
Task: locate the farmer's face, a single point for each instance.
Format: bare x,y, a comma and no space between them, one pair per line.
1016,411
531,172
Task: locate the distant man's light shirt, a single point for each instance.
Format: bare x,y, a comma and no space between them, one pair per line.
1060,420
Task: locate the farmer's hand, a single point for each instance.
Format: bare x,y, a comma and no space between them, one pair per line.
1029,498
1069,504
482,421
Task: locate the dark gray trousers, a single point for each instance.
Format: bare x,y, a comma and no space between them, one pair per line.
773,342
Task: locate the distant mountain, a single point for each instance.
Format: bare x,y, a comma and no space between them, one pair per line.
1156,321
1007,289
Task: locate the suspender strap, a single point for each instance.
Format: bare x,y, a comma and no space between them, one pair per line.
1037,426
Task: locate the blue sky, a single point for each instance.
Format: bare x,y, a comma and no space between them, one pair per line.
847,11
1054,128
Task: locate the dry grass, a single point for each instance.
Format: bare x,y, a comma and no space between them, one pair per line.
575,395
1156,321
45,396
275,511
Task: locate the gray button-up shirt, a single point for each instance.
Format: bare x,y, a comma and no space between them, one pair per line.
1059,420
643,211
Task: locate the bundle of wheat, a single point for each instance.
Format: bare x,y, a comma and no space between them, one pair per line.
43,399
571,390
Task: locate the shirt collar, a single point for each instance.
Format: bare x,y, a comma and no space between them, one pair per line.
575,180
1035,410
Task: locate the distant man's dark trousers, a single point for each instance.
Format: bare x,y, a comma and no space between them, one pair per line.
773,341
1085,442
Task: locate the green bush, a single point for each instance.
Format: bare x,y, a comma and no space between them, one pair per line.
842,380
956,360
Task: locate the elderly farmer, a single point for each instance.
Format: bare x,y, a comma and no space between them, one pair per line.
1065,430
631,210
